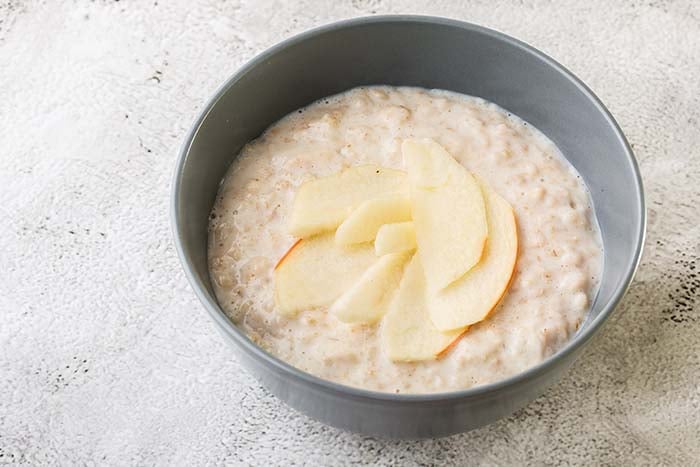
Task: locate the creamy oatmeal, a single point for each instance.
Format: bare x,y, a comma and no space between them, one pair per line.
559,258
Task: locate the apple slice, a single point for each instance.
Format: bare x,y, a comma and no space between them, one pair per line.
448,213
364,222
474,296
430,164
316,271
395,238
408,334
322,204
368,299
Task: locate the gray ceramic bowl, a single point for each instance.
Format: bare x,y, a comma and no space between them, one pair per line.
431,53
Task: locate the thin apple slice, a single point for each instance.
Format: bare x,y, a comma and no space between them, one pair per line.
474,296
408,334
395,238
368,299
364,222
429,163
448,213
316,271
322,204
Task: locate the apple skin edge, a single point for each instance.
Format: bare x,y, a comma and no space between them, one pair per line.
454,342
287,253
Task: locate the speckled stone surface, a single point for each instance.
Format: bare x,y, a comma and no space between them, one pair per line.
106,357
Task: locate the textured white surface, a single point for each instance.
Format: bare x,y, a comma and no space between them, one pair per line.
107,357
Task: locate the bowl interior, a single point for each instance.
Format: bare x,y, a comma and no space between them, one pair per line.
430,53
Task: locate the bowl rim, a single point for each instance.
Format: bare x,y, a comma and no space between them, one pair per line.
481,391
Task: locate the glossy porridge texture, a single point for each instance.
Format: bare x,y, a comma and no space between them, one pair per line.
558,266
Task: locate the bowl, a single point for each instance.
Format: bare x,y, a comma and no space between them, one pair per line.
431,53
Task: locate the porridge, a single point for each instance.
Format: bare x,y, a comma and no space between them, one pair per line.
318,306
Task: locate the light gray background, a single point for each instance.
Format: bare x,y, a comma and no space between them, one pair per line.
106,357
